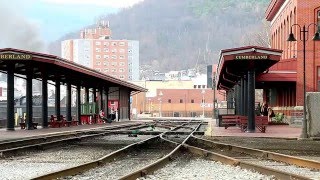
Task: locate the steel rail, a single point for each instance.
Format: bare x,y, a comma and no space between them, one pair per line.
159,163
41,142
234,162
266,154
93,164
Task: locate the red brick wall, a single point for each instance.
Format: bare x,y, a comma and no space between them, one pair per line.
302,12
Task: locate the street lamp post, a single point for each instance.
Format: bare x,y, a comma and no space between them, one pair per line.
291,38
160,107
203,92
149,105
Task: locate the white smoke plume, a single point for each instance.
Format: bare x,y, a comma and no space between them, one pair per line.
18,32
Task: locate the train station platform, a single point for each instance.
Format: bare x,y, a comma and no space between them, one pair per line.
22,133
272,131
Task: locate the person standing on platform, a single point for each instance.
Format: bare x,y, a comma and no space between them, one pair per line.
264,109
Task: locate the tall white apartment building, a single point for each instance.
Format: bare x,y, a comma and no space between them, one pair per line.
96,49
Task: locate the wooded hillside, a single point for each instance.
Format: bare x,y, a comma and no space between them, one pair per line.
181,34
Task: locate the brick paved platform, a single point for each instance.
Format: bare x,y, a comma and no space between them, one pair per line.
22,133
272,131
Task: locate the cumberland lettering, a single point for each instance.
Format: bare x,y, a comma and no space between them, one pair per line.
251,57
15,56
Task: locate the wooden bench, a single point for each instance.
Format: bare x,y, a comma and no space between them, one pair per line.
261,123
232,120
23,125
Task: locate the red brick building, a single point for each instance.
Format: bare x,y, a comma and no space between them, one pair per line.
283,82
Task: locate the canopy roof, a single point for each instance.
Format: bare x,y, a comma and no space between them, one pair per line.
235,63
58,68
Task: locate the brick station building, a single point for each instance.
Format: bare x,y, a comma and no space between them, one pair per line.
283,82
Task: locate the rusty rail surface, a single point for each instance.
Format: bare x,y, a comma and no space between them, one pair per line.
13,147
161,162
93,164
254,152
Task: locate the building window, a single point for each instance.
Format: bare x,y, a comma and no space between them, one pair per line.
169,100
130,77
122,43
115,76
121,76
106,56
98,43
130,51
203,86
106,63
318,21
98,63
105,49
121,57
121,63
114,63
113,70
114,43
181,100
98,50
98,56
106,43
98,69
192,100
195,86
121,70
114,50
199,86
121,50
106,70
203,101
130,58
114,56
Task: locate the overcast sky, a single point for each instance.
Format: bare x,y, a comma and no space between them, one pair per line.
54,18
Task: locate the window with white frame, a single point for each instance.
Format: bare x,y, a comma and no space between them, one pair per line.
106,43
98,63
114,50
121,57
121,77
105,49
106,63
114,63
121,69
114,43
105,56
122,43
98,69
121,63
98,57
113,70
114,56
98,50
106,70
318,21
121,50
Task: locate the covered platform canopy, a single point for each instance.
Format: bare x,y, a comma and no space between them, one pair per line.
44,67
236,73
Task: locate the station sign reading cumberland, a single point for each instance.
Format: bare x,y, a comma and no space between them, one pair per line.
8,56
248,57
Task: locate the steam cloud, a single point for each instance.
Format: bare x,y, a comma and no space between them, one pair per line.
18,32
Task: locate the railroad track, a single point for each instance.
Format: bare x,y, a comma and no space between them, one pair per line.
116,163
14,147
158,152
270,163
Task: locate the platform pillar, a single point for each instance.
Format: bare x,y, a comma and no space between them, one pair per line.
79,104
10,97
57,99
251,101
29,112
68,103
44,100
